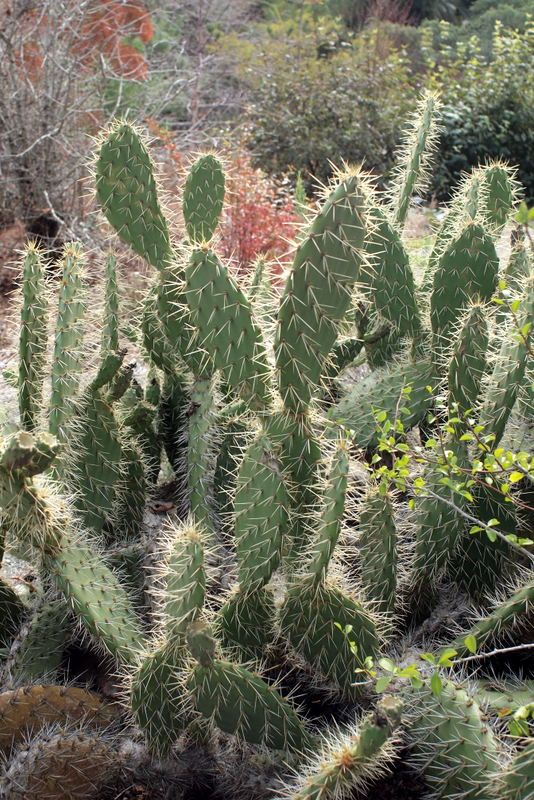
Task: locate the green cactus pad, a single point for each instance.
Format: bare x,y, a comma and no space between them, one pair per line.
352,759
382,392
497,191
225,327
127,191
318,292
200,455
38,648
130,496
389,279
452,744
156,344
185,579
33,337
517,781
67,358
261,507
172,423
466,272
377,545
95,458
203,198
110,323
468,364
158,698
314,619
241,703
331,516
246,623
96,596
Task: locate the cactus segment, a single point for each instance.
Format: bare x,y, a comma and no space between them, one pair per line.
95,459
467,365
418,147
172,423
158,699
38,648
356,411
225,327
59,765
127,191
203,198
33,337
224,479
96,596
110,324
389,277
246,623
157,345
314,618
517,780
378,555
318,292
130,495
239,702
452,744
466,272
67,357
515,612
331,516
261,507
352,759
31,708
509,371
497,192
185,579
200,457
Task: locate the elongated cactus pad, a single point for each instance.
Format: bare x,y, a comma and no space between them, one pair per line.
110,326
31,708
389,277
261,506
497,190
331,516
67,358
38,648
352,759
200,455
318,292
314,618
33,337
451,743
185,579
127,191
468,364
96,596
378,555
158,697
467,272
203,198
225,327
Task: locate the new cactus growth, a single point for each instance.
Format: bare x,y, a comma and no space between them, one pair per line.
33,337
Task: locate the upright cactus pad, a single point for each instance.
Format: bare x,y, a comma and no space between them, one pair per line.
331,516
452,744
38,648
222,317
378,553
468,364
261,507
33,337
67,358
467,272
200,457
318,291
497,194
246,623
351,760
185,579
127,191
203,198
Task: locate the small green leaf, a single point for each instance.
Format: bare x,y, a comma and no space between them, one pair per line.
382,684
471,643
436,684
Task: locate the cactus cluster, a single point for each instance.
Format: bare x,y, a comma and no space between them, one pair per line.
293,559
